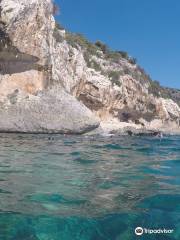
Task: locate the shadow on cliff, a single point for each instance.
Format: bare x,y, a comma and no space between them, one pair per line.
11,59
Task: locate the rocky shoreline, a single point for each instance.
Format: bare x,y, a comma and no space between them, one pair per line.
107,129
53,81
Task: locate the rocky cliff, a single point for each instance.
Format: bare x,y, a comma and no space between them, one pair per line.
55,81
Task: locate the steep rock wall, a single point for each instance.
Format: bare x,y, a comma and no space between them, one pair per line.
29,102
36,57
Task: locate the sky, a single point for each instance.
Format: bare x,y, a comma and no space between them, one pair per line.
148,30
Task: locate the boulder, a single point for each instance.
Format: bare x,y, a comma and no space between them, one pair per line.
48,112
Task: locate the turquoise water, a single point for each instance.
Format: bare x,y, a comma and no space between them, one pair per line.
79,188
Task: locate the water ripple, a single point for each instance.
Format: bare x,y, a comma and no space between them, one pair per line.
87,188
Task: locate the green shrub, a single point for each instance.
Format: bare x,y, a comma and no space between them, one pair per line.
75,40
103,47
158,91
115,77
133,61
155,88
95,65
113,56
78,40
92,63
123,54
87,58
59,26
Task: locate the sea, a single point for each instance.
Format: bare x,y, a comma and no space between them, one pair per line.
57,187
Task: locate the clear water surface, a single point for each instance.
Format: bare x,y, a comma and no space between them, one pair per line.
88,188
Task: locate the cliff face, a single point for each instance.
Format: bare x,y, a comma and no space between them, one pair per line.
28,100
28,27
74,81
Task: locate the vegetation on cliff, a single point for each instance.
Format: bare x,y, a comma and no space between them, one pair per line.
101,50
52,66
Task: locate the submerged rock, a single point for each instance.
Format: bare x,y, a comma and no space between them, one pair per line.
143,132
